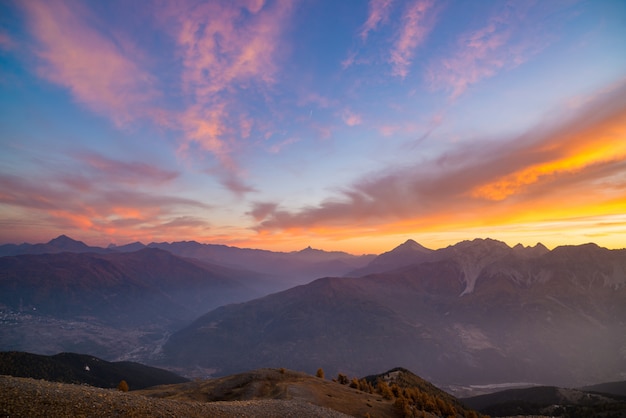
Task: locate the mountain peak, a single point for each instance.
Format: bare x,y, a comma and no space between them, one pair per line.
411,245
538,250
65,242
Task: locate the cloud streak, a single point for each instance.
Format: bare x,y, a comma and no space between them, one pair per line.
378,13
119,172
228,49
97,71
503,178
417,21
505,42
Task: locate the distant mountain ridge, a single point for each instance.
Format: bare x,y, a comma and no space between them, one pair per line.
548,400
60,244
285,268
478,311
140,287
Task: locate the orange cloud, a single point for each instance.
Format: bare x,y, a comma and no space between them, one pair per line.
96,196
99,72
575,168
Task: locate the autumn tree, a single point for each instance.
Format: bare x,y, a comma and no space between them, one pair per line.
123,386
384,390
342,378
320,373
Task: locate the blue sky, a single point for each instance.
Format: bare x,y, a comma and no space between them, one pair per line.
348,125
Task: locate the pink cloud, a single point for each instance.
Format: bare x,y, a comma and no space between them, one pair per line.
378,12
6,42
219,50
276,148
417,21
87,203
350,118
349,61
113,171
484,52
99,72
227,49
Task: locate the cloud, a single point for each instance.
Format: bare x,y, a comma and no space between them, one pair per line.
99,72
236,185
378,12
97,196
418,20
113,171
350,118
506,41
261,210
227,49
581,159
276,148
6,41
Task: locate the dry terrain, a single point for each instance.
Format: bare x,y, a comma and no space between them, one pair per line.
278,384
22,397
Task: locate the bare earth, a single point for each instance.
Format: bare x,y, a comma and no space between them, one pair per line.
21,397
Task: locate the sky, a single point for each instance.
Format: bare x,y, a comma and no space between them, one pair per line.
342,125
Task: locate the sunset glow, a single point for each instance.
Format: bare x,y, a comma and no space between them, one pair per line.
342,125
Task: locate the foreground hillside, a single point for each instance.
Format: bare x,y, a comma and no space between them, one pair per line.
259,393
29,398
83,368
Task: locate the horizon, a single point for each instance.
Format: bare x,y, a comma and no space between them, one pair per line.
336,125
146,244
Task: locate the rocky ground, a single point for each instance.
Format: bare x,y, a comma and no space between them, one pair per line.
21,397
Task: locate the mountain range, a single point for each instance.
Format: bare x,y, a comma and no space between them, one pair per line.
273,270
549,401
475,313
